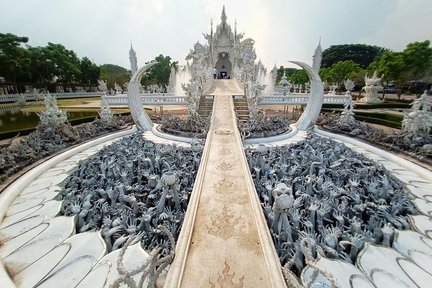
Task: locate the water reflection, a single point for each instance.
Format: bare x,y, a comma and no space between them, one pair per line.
13,119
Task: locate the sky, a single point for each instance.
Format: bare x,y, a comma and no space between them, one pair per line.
283,30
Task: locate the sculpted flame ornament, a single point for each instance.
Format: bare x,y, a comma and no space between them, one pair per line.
225,224
226,280
224,166
223,185
224,152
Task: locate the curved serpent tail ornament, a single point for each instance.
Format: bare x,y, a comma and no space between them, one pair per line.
313,108
140,117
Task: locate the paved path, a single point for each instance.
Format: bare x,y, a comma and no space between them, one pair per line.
224,240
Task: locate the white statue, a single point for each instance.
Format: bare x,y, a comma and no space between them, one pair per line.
373,85
419,120
172,80
52,117
105,112
118,89
102,86
349,85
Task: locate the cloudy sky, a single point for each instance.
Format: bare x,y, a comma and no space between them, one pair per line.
283,29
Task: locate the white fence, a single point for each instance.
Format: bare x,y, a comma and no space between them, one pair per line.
300,99
36,96
147,99
171,99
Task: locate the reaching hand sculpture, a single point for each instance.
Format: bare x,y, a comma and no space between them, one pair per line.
331,201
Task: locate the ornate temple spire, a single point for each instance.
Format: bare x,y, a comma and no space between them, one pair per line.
133,60
223,17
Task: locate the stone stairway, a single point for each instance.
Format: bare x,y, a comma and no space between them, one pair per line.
224,241
242,109
205,107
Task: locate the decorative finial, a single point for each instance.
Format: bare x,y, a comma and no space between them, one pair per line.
133,59
317,57
223,17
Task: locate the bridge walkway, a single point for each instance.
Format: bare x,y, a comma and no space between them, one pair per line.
224,238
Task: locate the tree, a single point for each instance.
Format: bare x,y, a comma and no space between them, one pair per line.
66,63
42,69
280,72
412,64
14,59
417,57
114,74
361,54
160,72
299,76
343,70
90,72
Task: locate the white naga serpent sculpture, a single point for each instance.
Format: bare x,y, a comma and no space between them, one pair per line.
313,108
140,117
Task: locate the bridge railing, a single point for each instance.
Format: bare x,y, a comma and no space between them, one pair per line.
148,99
36,96
300,99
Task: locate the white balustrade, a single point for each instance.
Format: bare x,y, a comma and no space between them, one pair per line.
148,99
34,96
299,99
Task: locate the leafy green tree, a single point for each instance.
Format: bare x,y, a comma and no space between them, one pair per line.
361,54
326,75
343,70
42,69
280,72
299,76
66,63
160,72
392,66
418,59
90,72
14,59
412,64
114,74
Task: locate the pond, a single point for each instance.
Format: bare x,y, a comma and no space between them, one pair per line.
12,119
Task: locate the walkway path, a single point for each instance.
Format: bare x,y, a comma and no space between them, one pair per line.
224,231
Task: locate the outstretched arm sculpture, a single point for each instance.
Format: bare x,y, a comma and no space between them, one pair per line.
316,98
140,117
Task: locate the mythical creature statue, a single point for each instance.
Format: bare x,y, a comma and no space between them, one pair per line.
374,81
373,85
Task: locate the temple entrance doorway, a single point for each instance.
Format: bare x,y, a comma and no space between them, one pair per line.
223,66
